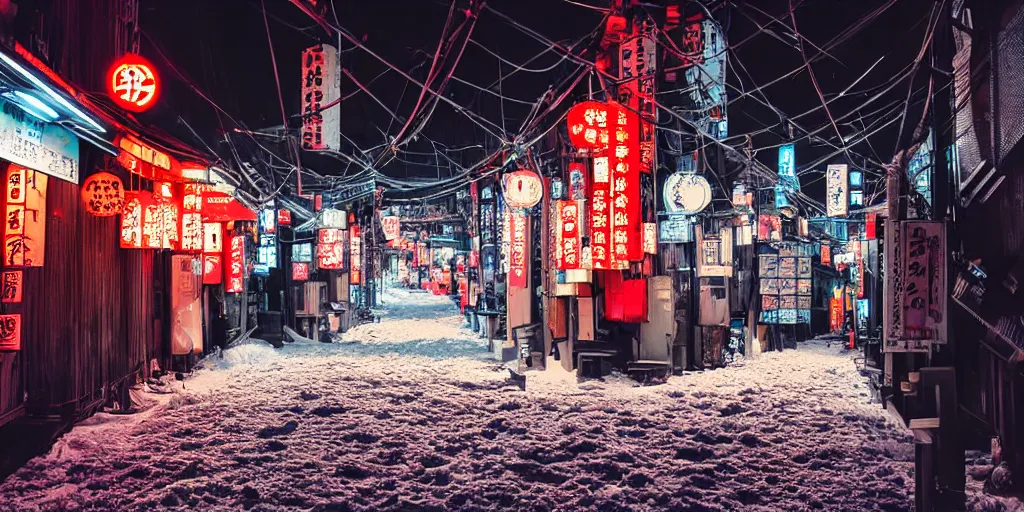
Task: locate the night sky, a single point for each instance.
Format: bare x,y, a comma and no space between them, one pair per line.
222,48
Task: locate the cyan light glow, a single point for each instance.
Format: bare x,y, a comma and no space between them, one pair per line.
50,92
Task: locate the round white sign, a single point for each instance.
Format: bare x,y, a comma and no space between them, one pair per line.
686,193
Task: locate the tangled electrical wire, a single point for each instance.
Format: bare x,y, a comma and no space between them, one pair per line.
408,140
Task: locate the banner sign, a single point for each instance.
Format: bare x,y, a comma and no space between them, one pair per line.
47,148
837,188
25,217
568,241
391,226
330,249
924,300
915,286
787,168
235,269
356,253
517,249
321,85
600,208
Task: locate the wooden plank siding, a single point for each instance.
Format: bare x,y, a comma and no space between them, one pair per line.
87,314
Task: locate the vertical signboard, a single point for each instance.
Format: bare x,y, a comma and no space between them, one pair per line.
235,268
11,283
192,239
330,250
568,240
627,226
321,85
924,301
518,266
356,253
837,190
25,220
787,168
600,208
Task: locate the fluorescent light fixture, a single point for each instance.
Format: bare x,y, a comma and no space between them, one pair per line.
53,94
47,113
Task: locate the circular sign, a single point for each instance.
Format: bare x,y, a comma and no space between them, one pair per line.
133,84
103,194
686,193
523,188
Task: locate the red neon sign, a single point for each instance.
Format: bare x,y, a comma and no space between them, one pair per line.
300,271
627,228
517,249
235,269
568,248
330,249
133,84
212,271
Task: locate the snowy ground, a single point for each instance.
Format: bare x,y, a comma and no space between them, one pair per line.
415,417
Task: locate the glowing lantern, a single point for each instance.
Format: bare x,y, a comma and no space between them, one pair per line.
588,125
103,194
133,84
523,189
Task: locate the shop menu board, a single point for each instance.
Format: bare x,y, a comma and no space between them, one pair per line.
786,285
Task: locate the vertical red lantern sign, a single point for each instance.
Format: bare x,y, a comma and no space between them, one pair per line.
300,271
192,239
627,228
25,218
517,249
600,215
235,269
568,249
356,253
132,219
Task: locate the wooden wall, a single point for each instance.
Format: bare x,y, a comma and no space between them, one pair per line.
87,314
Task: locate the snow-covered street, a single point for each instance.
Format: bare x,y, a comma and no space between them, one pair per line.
416,417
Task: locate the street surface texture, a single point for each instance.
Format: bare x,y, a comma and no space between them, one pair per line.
416,417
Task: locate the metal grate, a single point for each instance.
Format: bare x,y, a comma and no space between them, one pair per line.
1010,76
966,139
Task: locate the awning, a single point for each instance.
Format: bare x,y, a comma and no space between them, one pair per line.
220,207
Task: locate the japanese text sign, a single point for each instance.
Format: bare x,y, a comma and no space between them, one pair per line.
235,268
25,218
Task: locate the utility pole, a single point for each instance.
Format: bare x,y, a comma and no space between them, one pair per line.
950,456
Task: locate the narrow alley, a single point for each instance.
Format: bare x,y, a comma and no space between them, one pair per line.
411,414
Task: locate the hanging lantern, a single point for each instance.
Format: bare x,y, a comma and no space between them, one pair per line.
522,188
103,194
588,125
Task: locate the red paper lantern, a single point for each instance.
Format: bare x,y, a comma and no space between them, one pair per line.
133,83
588,125
103,194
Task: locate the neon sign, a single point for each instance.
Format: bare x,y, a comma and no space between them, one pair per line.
235,269
133,84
